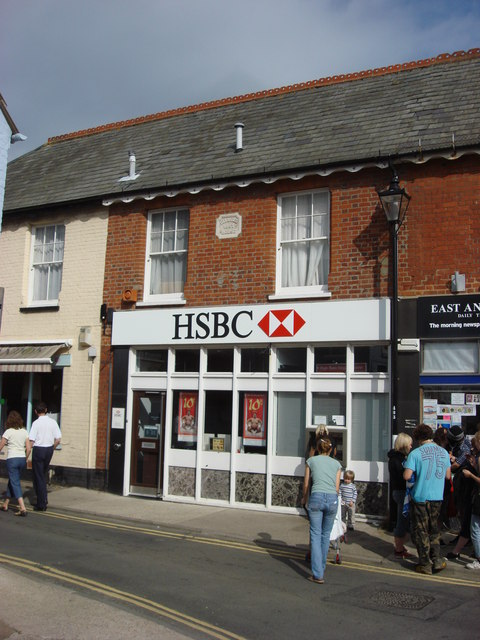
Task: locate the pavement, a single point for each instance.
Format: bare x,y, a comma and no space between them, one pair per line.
368,544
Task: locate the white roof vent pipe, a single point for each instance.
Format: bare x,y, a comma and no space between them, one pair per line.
131,172
239,142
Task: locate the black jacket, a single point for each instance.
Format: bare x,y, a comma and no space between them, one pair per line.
395,468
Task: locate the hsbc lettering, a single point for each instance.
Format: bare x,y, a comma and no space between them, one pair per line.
216,324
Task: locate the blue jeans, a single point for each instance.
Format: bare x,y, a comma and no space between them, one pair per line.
322,509
15,466
475,534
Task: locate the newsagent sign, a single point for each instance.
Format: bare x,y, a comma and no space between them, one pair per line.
449,317
365,320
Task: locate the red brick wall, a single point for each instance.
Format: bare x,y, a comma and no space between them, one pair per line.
441,231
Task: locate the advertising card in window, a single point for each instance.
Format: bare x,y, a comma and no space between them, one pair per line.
187,417
254,427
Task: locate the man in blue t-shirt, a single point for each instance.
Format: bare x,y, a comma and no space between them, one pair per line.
430,465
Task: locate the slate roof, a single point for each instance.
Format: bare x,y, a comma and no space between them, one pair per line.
351,119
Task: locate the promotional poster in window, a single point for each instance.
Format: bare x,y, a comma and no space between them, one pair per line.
187,417
254,427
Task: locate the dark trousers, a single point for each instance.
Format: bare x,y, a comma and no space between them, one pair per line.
41,457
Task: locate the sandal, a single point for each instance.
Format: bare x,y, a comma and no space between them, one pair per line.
22,514
3,508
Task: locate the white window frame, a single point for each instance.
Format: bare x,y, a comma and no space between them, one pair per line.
316,291
52,302
163,298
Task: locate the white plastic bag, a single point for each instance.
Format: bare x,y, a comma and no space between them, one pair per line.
339,527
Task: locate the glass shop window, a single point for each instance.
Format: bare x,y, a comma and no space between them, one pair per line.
330,360
220,360
291,360
447,405
187,360
370,426
371,359
290,424
450,357
218,421
254,360
252,423
151,360
328,409
184,420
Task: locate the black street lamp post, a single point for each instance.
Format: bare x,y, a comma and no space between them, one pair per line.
394,201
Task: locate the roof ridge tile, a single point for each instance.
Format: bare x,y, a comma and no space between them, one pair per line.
248,97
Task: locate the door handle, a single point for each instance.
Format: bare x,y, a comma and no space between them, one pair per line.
117,446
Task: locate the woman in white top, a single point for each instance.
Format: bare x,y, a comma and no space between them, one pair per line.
15,437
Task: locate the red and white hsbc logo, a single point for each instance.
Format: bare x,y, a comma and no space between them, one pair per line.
281,323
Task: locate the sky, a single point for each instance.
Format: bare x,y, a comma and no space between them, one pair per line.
68,65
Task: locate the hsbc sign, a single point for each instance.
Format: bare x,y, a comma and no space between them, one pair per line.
324,321
218,325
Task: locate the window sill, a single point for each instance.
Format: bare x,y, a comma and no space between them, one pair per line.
166,302
39,308
297,295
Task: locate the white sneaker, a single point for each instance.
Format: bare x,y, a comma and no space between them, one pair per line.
473,565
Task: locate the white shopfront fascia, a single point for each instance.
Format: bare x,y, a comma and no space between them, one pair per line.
314,323
339,321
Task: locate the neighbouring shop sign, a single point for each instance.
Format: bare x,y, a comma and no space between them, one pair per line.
449,317
187,417
254,424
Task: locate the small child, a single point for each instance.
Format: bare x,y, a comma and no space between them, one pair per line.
348,496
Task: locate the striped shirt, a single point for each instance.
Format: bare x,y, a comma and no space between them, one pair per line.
348,493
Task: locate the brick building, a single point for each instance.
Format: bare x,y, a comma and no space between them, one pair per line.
246,296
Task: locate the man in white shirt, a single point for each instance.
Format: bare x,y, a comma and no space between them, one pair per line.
44,436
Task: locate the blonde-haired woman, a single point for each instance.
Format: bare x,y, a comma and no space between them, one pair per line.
396,458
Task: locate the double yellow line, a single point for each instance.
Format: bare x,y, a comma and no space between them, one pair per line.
210,630
283,552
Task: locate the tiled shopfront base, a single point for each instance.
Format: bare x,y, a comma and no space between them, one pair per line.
372,498
215,484
286,491
250,488
181,482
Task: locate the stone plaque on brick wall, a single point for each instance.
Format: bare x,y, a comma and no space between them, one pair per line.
229,225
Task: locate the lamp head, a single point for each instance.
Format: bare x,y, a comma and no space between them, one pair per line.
394,200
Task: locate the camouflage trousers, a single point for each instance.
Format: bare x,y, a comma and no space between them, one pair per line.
424,530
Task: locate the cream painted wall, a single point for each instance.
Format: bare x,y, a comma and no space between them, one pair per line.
79,301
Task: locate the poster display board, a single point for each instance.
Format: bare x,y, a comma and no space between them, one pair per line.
254,420
187,416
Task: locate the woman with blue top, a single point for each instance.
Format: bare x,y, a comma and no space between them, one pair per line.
324,472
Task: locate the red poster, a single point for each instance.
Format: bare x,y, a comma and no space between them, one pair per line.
254,414
187,416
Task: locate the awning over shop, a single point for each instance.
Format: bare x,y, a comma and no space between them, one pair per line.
37,358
